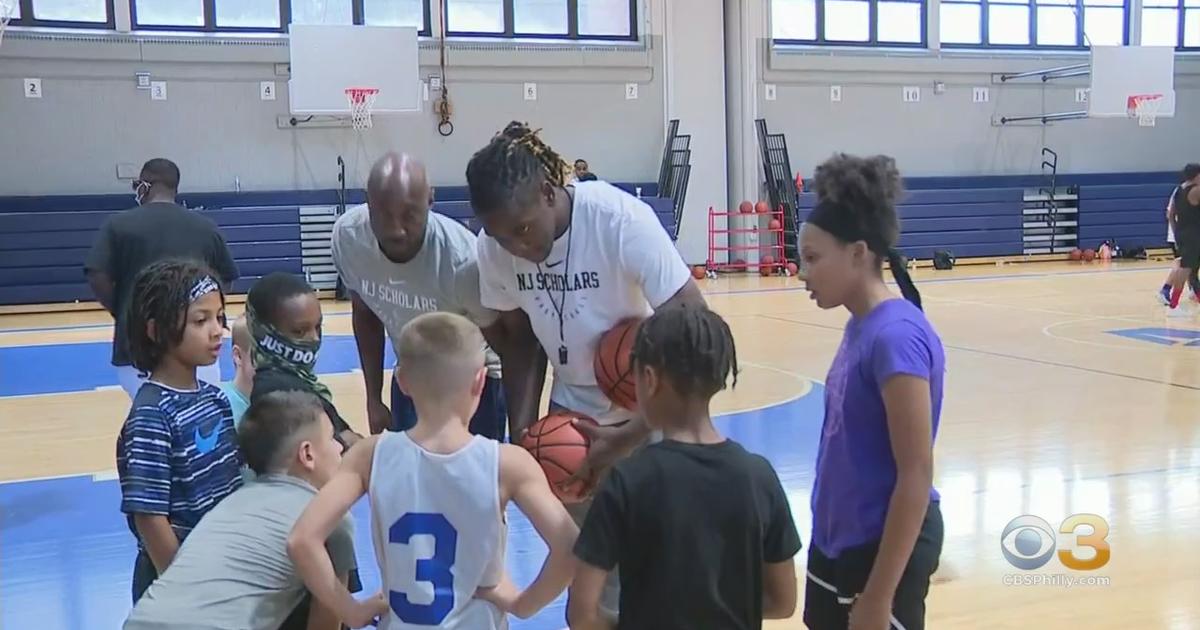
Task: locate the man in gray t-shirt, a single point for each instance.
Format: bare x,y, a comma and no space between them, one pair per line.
399,260
233,572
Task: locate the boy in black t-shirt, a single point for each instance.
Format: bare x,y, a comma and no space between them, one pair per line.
700,529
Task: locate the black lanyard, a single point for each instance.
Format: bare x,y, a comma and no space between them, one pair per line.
561,306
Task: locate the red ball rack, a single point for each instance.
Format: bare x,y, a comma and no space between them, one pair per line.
770,242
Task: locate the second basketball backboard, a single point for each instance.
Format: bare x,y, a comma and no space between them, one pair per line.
1119,72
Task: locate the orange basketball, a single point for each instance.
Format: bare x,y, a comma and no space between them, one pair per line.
765,270
560,449
792,269
746,207
762,207
1089,255
613,365
1076,254
774,224
698,272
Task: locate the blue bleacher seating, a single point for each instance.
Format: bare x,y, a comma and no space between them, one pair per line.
45,240
968,222
1132,215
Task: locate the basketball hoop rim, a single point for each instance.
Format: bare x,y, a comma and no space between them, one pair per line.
1135,103
360,94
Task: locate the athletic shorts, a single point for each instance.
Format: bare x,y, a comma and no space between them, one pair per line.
1187,247
833,583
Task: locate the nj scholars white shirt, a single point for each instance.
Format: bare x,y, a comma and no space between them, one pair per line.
622,264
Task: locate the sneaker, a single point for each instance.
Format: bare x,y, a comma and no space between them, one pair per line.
1164,298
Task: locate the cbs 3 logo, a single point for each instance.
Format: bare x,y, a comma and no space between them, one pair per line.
1028,542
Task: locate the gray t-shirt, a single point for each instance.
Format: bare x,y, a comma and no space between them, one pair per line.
233,572
443,276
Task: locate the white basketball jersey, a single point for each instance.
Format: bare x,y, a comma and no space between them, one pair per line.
438,531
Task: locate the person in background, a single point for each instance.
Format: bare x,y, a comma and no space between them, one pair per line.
129,241
582,174
238,390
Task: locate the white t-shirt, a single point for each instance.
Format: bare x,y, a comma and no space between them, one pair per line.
621,264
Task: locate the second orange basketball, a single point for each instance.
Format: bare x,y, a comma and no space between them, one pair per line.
614,365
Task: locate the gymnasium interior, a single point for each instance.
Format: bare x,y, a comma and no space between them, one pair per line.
1039,142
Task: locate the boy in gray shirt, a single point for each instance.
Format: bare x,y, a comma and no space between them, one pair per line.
233,572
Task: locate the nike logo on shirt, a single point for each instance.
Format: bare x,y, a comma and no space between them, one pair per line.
207,443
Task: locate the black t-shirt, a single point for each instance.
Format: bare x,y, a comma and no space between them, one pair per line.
132,240
1187,214
691,527
268,380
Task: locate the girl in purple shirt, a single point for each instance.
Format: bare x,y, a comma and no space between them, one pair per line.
877,530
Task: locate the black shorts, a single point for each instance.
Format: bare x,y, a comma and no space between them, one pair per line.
1187,248
833,583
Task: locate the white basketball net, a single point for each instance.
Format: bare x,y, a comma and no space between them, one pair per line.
362,101
1145,108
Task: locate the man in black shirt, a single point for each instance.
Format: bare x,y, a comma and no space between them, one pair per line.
700,529
129,241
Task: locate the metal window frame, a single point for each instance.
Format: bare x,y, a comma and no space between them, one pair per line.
872,29
357,11
1080,7
572,33
1181,10
27,18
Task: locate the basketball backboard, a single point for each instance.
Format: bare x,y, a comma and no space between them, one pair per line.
327,59
1119,72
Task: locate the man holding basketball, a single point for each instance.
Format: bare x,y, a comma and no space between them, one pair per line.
399,260
565,264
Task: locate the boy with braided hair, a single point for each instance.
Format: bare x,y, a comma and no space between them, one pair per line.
701,529
563,264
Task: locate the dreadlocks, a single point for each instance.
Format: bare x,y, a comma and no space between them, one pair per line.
692,346
162,293
515,160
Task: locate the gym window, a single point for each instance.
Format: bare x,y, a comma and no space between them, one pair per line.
274,15
543,19
64,13
1171,23
848,22
1033,23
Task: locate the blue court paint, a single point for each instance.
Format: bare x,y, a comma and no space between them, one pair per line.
1161,336
66,552
85,366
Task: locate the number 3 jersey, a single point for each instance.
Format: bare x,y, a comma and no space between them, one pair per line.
438,532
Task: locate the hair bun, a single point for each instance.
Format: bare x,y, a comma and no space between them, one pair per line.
516,130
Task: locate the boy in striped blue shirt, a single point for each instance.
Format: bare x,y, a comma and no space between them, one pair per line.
177,452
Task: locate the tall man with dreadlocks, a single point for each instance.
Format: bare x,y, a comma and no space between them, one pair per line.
564,264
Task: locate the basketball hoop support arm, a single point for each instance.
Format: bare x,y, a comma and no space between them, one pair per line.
1061,72
1045,118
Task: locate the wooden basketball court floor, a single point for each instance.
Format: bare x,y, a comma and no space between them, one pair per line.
1069,391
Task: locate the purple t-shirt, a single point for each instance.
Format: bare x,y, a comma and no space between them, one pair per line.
856,472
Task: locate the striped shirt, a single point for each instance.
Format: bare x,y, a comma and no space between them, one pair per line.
177,454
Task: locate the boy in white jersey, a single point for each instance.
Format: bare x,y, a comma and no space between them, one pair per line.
437,497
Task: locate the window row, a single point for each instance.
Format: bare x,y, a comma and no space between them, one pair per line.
985,23
554,19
